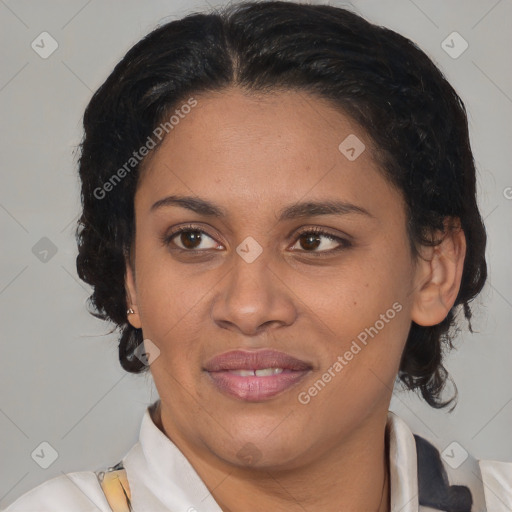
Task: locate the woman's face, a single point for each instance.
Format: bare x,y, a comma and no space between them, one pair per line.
249,276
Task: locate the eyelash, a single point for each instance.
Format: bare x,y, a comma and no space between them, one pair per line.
166,240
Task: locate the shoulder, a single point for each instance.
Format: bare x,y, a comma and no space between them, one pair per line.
450,478
79,492
497,479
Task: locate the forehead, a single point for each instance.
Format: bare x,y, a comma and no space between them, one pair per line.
256,149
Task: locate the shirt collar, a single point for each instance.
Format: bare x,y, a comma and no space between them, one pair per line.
403,469
161,476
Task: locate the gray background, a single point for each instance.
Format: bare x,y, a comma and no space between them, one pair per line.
60,380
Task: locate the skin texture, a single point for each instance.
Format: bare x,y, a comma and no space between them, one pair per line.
252,156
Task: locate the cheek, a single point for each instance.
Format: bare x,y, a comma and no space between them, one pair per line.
357,296
165,286
368,312
171,305
362,363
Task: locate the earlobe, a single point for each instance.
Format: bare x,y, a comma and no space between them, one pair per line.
439,275
131,295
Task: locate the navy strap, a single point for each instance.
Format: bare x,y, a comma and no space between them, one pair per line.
434,486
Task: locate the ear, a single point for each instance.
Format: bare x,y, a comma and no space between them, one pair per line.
131,295
438,276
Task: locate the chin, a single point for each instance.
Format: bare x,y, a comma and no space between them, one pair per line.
258,450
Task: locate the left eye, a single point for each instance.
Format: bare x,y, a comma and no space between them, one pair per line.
312,239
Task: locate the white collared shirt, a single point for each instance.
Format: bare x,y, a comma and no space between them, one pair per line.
161,479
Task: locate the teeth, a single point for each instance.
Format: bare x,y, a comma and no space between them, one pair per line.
265,372
243,373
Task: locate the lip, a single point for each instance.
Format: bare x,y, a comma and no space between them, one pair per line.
255,360
253,388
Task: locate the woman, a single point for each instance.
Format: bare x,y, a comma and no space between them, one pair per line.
279,212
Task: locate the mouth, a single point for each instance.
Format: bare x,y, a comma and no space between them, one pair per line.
257,375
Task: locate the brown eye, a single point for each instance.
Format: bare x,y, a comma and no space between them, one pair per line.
189,239
310,240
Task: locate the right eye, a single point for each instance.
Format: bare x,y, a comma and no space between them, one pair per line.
188,239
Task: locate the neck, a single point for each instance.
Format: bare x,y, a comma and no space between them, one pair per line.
352,475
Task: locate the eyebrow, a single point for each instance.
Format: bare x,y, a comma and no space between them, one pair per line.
294,211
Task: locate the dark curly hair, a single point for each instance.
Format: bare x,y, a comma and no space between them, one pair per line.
382,80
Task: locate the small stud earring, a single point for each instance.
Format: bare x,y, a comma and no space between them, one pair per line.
130,311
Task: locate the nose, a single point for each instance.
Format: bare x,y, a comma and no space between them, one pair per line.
253,298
